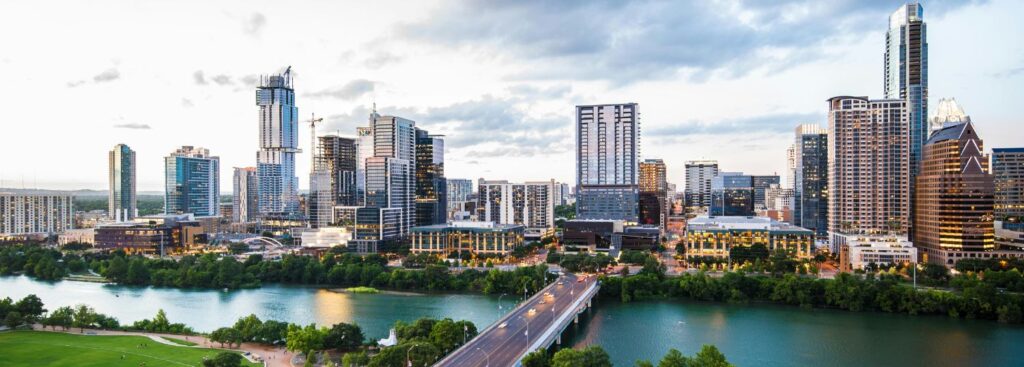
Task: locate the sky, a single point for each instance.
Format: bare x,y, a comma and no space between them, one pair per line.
727,79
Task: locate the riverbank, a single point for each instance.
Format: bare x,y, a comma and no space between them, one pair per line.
367,290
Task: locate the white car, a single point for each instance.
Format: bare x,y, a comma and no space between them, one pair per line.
533,311
502,325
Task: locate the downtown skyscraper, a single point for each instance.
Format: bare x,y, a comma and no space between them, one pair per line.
192,183
607,161
810,179
121,205
697,193
654,204
906,78
279,142
244,198
431,186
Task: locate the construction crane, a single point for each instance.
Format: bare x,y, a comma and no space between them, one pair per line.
312,139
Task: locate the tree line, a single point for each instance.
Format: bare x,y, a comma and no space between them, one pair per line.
595,356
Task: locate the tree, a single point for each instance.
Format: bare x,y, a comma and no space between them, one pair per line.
538,358
355,359
674,358
344,336
63,317
447,335
249,327
592,356
224,359
709,356
31,308
13,319
305,339
84,317
138,272
227,335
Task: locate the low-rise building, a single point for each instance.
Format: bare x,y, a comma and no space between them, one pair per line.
856,252
590,235
152,234
86,236
475,237
325,237
716,236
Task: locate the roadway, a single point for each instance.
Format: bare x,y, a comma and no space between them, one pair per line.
503,346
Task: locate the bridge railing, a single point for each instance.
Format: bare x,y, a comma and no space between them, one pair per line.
554,330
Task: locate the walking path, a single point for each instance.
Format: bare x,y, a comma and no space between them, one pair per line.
273,356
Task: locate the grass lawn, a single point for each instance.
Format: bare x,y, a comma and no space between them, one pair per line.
40,348
179,341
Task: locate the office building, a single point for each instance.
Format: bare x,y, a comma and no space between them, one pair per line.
1008,172
530,204
121,205
244,208
320,201
431,186
860,252
459,192
697,193
473,237
364,149
607,151
955,196
35,212
653,193
868,155
810,179
716,236
390,173
760,184
732,194
336,156
158,234
779,203
279,142
948,112
906,79
590,235
192,182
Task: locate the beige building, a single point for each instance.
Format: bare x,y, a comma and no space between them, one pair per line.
716,236
530,204
35,213
856,252
475,237
868,154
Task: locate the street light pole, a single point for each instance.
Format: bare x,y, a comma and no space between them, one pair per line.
487,356
408,362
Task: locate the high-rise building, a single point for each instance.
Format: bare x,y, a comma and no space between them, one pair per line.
431,186
24,213
607,151
531,204
459,192
391,172
810,182
732,194
243,201
336,156
779,203
906,78
868,171
364,149
948,112
1008,172
653,193
279,141
121,204
760,184
791,166
697,194
954,198
192,179
320,202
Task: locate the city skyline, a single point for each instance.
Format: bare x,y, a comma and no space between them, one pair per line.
342,79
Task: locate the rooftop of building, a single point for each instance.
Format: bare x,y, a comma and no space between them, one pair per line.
468,226
729,223
1008,150
948,132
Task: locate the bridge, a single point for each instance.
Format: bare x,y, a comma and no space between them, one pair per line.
537,323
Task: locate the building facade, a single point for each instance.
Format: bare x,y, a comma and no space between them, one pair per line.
473,237
732,194
654,205
459,192
810,179
716,236
955,196
244,208
860,252
607,153
1008,172
431,186
530,204
121,205
192,179
35,213
760,185
697,193
278,190
868,155
320,202
906,79
336,156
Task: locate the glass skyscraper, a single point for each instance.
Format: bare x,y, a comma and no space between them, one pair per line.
810,186
431,187
607,161
192,182
121,204
279,141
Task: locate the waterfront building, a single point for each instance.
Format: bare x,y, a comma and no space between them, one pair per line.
954,198
607,151
858,251
244,208
336,156
530,204
810,179
320,202
1008,172
868,171
279,142
472,237
715,236
35,212
459,192
192,182
654,203
391,172
121,205
170,233
590,235
906,78
325,237
84,235
732,194
760,184
698,184
431,186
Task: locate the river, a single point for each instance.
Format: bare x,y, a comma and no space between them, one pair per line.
749,335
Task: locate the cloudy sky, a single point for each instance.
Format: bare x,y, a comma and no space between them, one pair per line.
725,80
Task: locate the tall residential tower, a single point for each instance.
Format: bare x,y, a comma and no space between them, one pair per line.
607,153
192,182
279,141
121,205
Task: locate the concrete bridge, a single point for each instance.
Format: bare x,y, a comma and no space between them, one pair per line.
537,323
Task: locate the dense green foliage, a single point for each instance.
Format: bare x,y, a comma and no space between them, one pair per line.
708,356
39,348
595,356
36,262
27,310
973,298
580,262
224,359
147,204
565,211
424,341
633,257
160,324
